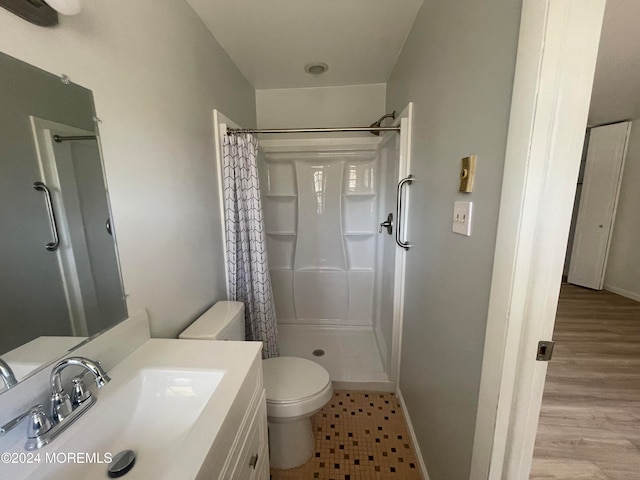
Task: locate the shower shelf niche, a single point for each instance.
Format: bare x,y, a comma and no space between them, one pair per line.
359,214
281,213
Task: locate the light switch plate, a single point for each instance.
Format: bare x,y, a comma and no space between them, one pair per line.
462,218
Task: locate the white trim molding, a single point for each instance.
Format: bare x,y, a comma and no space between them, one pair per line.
414,440
622,292
555,66
220,124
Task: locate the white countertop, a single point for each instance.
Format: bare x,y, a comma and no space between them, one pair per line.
96,431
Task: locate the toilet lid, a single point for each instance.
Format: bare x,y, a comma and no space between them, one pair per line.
289,379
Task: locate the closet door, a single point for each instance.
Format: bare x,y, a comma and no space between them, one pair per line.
603,173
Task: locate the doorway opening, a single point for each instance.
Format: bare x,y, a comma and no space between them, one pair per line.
589,420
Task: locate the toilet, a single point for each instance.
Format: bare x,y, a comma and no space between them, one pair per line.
296,388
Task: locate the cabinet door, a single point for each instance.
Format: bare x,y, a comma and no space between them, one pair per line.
254,453
263,472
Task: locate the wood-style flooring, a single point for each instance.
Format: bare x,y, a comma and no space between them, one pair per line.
590,420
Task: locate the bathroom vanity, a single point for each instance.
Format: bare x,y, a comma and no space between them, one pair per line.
189,409
247,456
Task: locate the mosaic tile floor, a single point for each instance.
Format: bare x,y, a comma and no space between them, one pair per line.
359,436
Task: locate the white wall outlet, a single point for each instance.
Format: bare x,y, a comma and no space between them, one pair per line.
462,218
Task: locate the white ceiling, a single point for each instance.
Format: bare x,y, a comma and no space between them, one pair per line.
271,41
616,87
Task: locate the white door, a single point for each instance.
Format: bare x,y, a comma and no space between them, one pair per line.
600,187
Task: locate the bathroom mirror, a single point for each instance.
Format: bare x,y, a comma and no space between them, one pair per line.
60,279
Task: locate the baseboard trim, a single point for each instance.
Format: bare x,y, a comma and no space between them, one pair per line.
414,440
365,386
621,291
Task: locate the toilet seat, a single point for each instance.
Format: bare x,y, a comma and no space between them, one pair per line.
295,386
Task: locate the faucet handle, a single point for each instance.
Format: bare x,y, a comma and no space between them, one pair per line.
80,392
61,406
38,422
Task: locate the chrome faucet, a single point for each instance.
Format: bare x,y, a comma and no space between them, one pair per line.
61,404
7,375
64,409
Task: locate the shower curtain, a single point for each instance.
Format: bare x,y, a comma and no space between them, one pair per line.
246,247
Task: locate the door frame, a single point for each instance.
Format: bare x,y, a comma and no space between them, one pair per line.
555,66
220,125
405,120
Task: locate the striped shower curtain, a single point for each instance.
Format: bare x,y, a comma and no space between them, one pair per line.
247,266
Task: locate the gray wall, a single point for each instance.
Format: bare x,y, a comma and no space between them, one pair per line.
457,66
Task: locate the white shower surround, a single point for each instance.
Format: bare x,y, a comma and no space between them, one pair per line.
333,273
320,199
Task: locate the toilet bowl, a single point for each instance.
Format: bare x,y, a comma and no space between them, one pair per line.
296,388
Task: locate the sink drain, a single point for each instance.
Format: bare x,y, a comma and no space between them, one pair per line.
121,464
318,353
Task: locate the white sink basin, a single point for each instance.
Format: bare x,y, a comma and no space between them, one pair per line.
153,410
166,402
150,414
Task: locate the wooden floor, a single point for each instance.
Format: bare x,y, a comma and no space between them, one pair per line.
590,420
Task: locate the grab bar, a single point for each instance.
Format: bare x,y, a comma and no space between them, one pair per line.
51,246
399,217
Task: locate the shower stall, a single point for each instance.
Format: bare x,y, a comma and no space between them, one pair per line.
336,267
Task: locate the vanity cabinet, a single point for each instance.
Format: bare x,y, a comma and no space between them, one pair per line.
241,451
250,458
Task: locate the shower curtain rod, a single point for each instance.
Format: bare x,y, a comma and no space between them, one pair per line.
314,130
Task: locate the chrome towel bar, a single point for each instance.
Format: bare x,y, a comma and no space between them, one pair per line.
51,246
399,214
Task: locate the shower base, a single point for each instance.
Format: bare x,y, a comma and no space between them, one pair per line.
350,356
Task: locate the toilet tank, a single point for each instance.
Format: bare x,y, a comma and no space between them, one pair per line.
223,321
